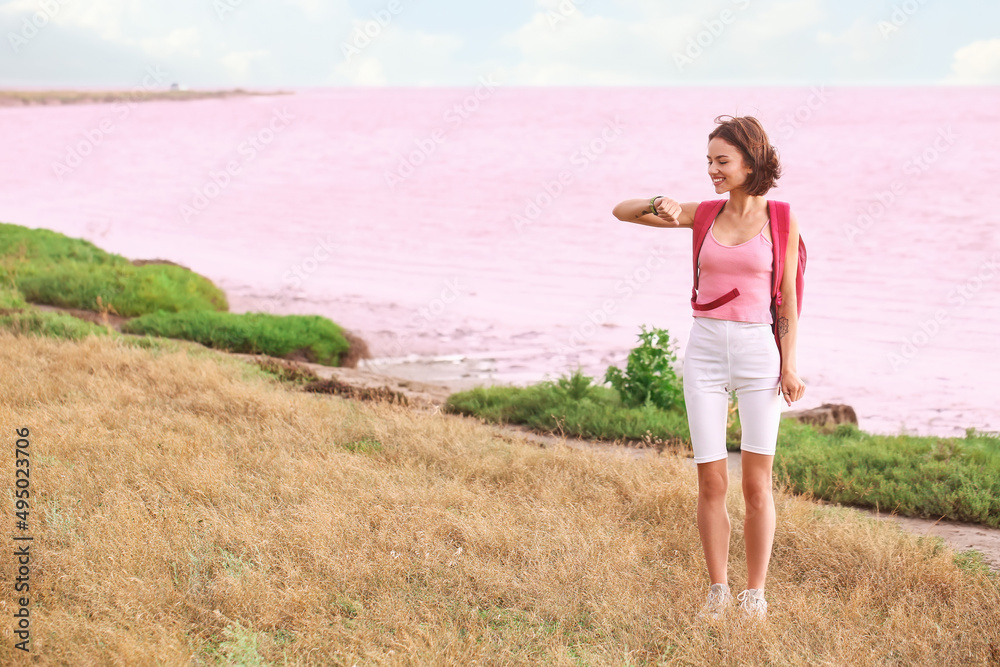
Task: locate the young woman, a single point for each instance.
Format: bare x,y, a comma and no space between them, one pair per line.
732,348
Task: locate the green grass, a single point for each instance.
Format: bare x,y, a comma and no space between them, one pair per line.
931,477
129,290
52,268
33,322
45,267
316,338
11,298
596,413
24,319
47,246
953,478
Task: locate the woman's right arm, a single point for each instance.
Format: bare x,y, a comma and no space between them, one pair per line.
668,212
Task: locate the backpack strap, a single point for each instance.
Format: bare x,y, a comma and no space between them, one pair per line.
704,216
779,212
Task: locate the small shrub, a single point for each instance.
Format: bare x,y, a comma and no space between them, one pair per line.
576,386
649,377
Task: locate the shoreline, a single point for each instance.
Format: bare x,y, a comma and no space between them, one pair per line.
23,98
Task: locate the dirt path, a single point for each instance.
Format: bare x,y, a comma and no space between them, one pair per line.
430,397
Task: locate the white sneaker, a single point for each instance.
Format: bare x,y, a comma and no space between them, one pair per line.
752,603
720,599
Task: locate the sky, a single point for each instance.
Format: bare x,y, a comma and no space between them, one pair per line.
304,43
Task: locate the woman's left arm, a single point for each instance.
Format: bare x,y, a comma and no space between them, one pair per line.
788,318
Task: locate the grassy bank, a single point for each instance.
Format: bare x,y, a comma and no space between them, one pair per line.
52,268
931,477
188,509
309,337
163,299
595,413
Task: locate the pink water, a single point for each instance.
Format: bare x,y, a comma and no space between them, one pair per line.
435,272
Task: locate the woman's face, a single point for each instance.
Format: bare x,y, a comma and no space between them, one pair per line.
725,165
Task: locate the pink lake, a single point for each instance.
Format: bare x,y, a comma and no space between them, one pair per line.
467,234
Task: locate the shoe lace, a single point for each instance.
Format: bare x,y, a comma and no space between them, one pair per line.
747,600
716,597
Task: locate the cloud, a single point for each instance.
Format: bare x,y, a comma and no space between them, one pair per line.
105,18
572,48
312,8
568,43
394,55
241,64
14,7
859,43
777,19
531,42
160,32
97,62
976,63
185,41
252,42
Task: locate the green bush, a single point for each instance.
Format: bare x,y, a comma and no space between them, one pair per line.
649,378
315,338
576,386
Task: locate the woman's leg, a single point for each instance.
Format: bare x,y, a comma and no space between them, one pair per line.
760,414
706,398
759,399
758,527
713,518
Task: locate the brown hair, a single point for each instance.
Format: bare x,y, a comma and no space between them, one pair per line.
748,135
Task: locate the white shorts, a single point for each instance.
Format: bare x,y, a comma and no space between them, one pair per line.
723,356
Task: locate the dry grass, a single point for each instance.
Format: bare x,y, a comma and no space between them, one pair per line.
189,510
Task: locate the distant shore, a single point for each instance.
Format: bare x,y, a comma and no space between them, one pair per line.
13,98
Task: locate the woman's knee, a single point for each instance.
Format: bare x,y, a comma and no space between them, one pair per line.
713,480
757,494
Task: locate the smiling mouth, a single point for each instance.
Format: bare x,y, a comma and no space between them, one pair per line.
716,182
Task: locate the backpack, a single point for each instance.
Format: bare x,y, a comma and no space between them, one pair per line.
780,216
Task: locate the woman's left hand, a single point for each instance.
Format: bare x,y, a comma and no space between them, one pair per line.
791,386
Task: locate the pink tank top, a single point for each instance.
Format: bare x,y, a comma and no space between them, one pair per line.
747,267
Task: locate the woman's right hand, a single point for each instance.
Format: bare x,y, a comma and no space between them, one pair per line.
667,214
669,211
